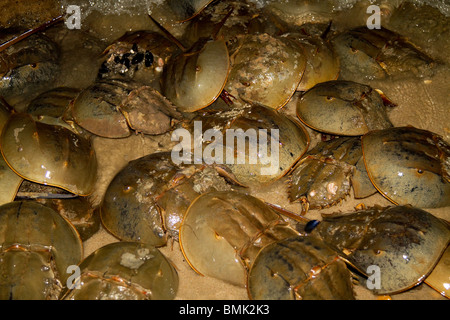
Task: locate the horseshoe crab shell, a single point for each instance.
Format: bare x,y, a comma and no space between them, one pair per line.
403,241
266,70
299,268
293,143
138,55
343,108
409,166
49,154
323,177
439,278
193,79
37,245
222,232
379,53
257,143
96,108
147,199
125,271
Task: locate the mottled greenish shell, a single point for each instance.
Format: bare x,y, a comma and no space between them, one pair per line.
409,166
299,268
266,70
194,79
344,108
147,199
222,232
36,247
379,53
404,242
125,271
49,154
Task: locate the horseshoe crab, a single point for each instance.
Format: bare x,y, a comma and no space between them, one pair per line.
222,232
9,182
322,63
37,245
139,55
404,242
53,107
323,177
229,20
109,108
409,166
266,70
48,154
299,268
298,12
125,271
379,53
27,67
193,79
147,199
344,108
275,142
